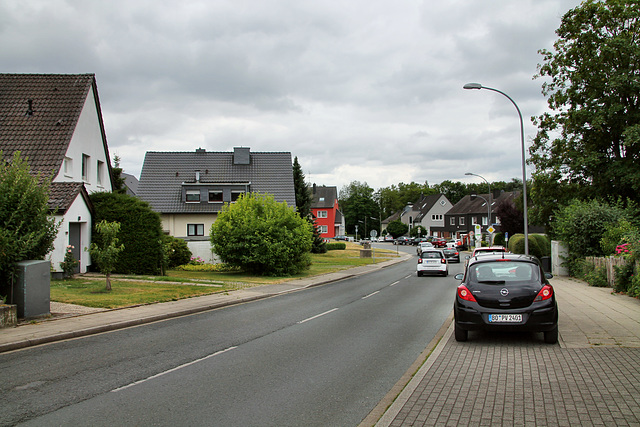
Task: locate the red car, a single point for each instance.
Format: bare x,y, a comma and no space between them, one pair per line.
439,243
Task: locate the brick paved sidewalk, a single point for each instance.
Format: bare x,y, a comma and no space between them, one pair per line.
591,378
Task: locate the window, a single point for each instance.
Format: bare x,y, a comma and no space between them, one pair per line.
85,167
323,229
322,214
195,229
436,217
452,220
461,220
100,172
215,196
235,195
484,220
68,167
193,196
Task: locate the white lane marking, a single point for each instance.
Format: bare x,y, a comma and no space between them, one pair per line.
317,315
370,295
395,283
172,369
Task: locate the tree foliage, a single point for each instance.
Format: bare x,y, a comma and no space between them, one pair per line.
357,203
395,197
581,226
262,236
27,229
397,228
511,218
106,253
589,145
141,232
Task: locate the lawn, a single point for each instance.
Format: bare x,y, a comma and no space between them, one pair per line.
136,290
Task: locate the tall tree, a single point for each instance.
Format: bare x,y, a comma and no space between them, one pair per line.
303,195
118,180
590,142
359,206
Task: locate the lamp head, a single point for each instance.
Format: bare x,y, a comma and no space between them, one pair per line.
472,86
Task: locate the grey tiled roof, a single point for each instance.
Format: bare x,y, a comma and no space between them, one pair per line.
42,133
62,195
163,175
478,206
323,197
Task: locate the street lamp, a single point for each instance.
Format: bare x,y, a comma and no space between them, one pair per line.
524,170
488,203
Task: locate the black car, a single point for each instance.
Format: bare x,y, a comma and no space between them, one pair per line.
402,240
452,255
505,292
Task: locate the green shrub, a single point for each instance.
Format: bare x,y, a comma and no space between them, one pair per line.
262,236
498,239
595,276
624,277
178,252
337,246
539,245
140,232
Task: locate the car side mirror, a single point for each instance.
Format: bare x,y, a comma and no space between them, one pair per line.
459,276
467,257
548,275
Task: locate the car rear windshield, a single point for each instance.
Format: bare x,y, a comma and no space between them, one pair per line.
500,272
431,255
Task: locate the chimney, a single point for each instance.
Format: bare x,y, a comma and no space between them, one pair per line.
314,188
241,156
200,151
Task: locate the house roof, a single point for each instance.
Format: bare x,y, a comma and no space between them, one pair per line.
479,206
163,175
39,113
425,204
63,194
323,197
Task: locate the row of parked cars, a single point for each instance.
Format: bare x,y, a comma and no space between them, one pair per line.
499,291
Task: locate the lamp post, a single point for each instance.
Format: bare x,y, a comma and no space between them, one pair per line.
524,170
488,203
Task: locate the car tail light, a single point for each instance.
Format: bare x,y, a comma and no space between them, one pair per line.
463,293
545,293
443,260
419,260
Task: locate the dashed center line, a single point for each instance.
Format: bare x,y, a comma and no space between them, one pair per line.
172,370
317,315
370,295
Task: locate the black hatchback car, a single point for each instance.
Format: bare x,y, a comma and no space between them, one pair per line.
505,292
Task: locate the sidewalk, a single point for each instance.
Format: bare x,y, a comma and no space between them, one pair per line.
591,378
77,322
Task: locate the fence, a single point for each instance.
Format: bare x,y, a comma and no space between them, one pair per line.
608,263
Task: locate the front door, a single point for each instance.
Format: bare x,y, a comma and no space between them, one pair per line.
75,234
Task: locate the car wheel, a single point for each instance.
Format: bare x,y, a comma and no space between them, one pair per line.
445,274
460,334
419,273
551,337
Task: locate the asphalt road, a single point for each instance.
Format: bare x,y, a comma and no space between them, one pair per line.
323,356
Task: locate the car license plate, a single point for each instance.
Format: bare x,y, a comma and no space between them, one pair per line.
505,318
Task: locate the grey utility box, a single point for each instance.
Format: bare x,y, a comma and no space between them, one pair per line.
31,291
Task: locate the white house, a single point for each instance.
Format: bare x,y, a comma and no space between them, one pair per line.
55,121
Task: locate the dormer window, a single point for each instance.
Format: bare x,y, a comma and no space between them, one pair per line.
216,196
193,196
235,195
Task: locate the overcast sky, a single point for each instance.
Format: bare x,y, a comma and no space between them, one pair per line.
358,90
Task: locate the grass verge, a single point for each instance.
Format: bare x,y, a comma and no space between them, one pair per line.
136,290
